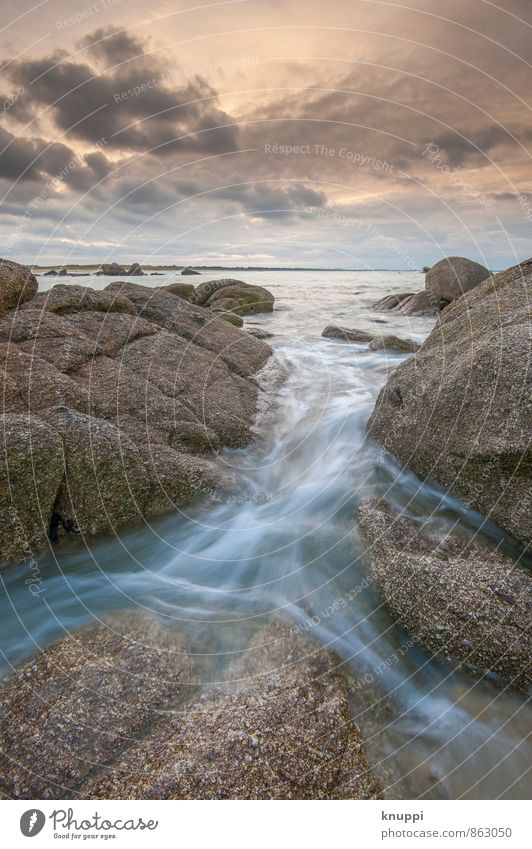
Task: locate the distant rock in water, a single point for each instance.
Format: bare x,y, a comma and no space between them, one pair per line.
112,269
453,276
63,272
346,334
17,285
190,271
444,282
107,418
135,270
51,273
456,597
110,712
457,413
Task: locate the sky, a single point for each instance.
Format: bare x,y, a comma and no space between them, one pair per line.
341,134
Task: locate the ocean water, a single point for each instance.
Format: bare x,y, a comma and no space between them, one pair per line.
285,543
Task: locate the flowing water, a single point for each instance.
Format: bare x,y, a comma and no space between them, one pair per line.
285,542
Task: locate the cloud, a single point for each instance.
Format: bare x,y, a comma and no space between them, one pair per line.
133,104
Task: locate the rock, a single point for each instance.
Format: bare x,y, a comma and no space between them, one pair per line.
112,269
17,285
452,276
137,387
242,299
281,729
389,302
106,483
457,413
82,702
135,270
455,597
423,303
63,272
256,298
229,316
259,333
69,298
182,290
410,303
345,334
31,473
394,343
51,273
426,268
190,271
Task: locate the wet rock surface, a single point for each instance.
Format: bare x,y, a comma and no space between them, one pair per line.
79,703
279,728
453,276
456,597
112,712
458,412
444,282
346,334
122,387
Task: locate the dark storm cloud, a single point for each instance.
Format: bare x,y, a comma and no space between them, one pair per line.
132,104
31,159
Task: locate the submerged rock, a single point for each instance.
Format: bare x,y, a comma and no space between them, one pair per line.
80,703
346,334
31,473
456,597
457,413
17,285
453,276
112,269
394,343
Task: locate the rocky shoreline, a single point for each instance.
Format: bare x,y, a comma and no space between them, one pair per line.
116,403
458,414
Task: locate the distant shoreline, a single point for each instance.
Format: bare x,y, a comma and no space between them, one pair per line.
95,267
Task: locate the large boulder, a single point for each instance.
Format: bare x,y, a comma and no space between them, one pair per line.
135,389
17,285
182,290
455,597
453,276
81,702
135,270
393,343
457,413
346,334
188,271
279,728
